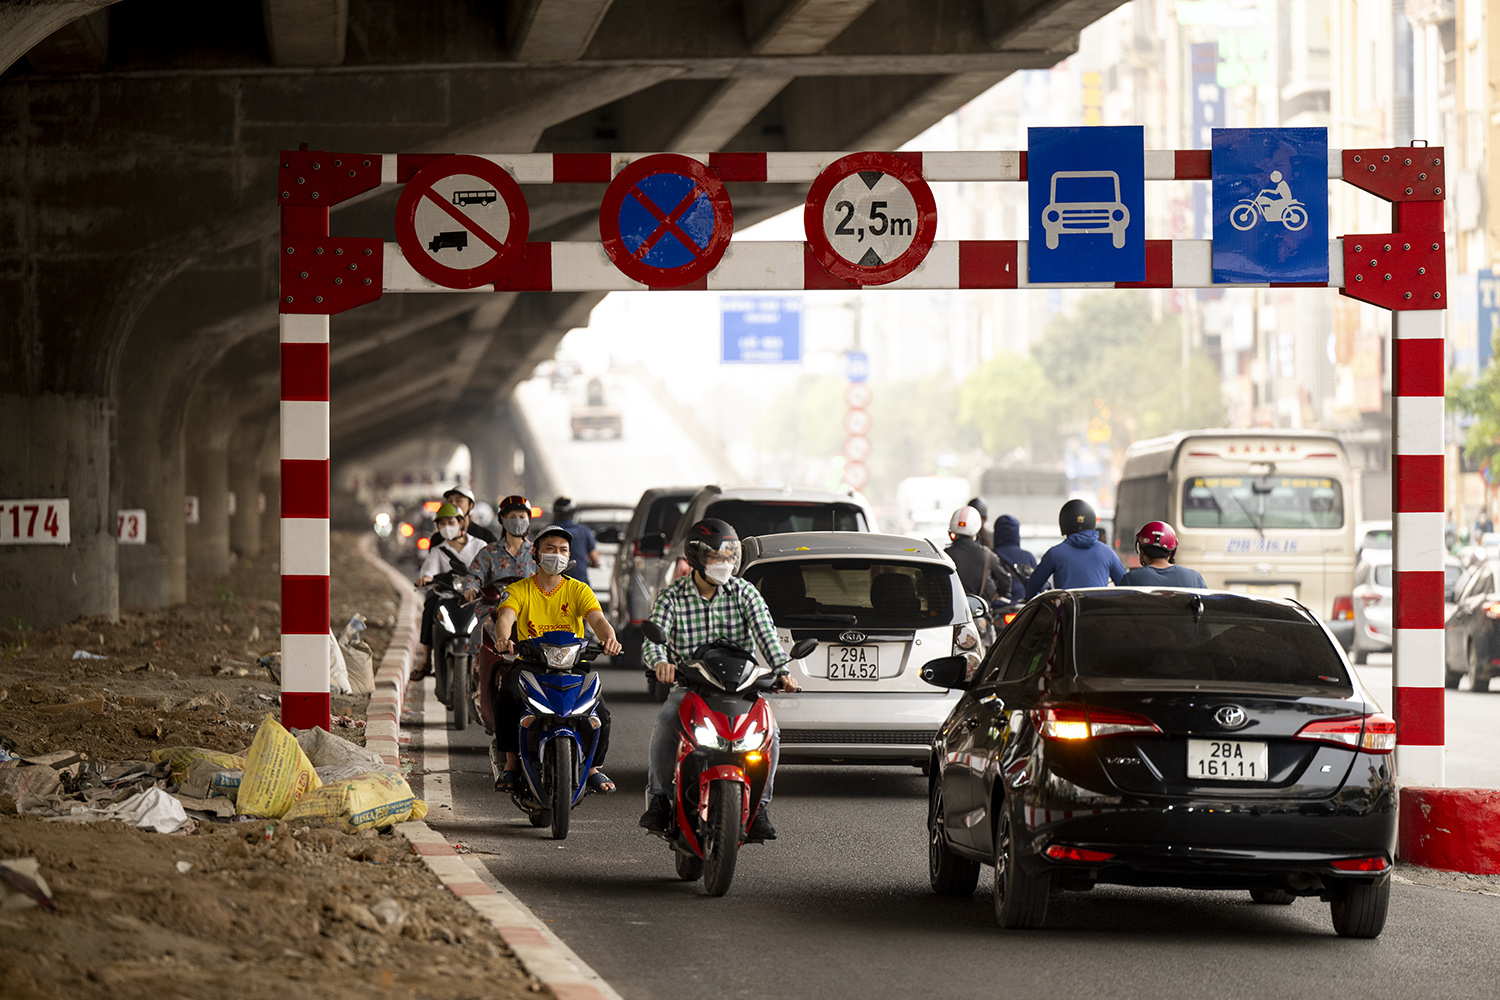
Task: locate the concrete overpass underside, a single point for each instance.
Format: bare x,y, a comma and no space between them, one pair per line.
138,221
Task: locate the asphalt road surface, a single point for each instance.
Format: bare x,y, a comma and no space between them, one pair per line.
839,906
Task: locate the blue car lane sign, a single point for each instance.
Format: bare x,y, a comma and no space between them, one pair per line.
1270,189
1086,192
761,329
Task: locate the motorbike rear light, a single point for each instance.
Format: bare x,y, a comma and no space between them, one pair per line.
1062,852
1372,598
1362,865
406,530
1010,616
1492,610
535,511
1077,722
1343,608
424,543
431,506
1372,733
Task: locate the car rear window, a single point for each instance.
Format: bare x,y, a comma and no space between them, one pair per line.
1148,644
864,592
664,514
773,517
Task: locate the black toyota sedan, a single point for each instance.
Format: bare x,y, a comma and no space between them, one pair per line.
1184,738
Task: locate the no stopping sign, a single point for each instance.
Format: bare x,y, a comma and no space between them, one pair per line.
870,218
666,220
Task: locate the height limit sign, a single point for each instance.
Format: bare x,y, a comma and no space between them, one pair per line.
870,218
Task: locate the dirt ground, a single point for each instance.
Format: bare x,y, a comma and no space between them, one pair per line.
301,914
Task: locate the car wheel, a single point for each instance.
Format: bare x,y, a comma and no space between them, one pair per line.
1479,678
1450,680
1361,656
1020,897
1272,897
949,874
1359,912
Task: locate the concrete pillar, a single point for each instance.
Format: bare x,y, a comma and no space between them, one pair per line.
55,447
490,468
149,466
208,480
245,448
270,488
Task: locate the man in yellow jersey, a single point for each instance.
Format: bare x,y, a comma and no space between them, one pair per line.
547,601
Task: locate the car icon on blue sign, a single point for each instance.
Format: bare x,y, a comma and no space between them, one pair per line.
1087,203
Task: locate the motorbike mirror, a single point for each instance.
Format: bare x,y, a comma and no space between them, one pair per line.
946,672
654,632
609,536
978,607
802,647
654,544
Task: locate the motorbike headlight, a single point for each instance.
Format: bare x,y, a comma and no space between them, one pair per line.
447,621
709,737
754,739
473,623
561,657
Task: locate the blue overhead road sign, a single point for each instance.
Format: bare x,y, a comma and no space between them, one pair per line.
1270,205
1087,192
761,329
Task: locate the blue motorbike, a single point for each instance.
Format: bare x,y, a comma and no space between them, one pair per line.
559,726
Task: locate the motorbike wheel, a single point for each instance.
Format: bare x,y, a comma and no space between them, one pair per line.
1244,216
689,866
1294,217
458,691
726,822
440,675
559,772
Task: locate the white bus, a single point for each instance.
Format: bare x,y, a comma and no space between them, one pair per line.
1257,511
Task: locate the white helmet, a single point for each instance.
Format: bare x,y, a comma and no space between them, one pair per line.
965,521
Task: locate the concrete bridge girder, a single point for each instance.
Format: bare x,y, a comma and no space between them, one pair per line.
142,272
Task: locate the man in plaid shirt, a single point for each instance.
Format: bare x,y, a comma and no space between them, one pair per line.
710,603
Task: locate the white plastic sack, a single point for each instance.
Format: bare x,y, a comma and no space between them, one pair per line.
153,809
359,659
338,673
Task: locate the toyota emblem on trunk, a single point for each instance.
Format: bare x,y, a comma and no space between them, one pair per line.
1230,717
852,637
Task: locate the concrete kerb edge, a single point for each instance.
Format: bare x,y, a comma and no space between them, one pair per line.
541,953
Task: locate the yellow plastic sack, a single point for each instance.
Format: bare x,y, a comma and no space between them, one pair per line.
368,802
181,758
276,773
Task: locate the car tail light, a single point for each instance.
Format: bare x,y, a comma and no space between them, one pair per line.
1076,722
1362,865
1373,598
1343,608
1371,733
1062,852
1010,616
1492,610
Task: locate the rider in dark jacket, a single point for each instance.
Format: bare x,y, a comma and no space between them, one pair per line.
1008,548
979,569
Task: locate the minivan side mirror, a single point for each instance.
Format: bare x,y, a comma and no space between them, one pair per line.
802,647
946,672
653,544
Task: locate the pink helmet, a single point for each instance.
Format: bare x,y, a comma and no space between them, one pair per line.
1157,535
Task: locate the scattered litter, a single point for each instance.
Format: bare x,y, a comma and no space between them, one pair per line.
180,759
83,654
254,634
271,664
391,913
22,886
269,698
358,658
348,722
19,781
462,848
215,700
183,867
277,773
152,809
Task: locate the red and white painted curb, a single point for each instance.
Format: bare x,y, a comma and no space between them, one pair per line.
540,952
1451,829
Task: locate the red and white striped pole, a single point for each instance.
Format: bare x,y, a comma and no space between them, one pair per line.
1417,502
305,609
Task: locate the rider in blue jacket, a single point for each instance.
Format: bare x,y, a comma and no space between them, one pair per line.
1081,560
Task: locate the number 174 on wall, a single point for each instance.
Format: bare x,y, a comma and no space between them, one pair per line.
34,522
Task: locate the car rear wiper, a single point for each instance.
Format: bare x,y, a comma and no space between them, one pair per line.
826,617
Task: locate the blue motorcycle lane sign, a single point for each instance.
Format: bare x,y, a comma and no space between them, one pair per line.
1270,188
1086,195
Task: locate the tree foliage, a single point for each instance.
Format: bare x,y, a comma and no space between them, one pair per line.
1480,399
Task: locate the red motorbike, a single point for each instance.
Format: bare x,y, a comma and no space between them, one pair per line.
724,735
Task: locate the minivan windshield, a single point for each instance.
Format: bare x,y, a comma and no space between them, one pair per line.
867,592
1170,644
773,517
1262,502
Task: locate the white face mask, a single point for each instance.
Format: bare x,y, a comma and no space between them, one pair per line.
717,573
517,525
451,531
552,562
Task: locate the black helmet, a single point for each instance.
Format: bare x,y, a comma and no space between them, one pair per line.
562,509
1076,515
711,535
984,509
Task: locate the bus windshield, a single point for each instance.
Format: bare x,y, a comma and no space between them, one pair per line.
1261,503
